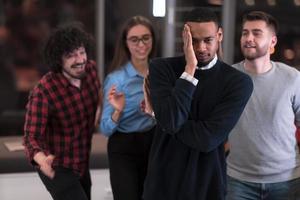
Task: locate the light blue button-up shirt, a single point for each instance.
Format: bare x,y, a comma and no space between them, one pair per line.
130,82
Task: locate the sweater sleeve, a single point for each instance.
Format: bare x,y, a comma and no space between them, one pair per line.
171,103
206,135
296,100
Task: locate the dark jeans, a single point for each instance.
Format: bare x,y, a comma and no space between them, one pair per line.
66,185
242,190
128,160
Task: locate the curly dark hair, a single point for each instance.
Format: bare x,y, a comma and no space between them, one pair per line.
202,14
64,40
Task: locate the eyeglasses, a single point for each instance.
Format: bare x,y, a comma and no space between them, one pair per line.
146,39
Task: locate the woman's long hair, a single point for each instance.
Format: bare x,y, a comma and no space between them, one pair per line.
122,54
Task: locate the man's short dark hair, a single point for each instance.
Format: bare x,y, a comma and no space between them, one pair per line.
260,15
202,14
63,41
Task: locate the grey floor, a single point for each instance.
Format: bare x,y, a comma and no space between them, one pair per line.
28,186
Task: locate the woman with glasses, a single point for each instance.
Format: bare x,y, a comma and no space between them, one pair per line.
124,121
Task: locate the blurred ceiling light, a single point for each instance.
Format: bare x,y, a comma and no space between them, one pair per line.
289,54
215,2
250,2
159,8
271,2
297,2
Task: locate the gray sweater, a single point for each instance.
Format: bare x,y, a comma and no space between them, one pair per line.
263,147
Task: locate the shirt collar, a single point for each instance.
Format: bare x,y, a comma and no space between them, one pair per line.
64,81
210,64
131,70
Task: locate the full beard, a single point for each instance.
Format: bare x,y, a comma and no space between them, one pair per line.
254,55
77,75
202,62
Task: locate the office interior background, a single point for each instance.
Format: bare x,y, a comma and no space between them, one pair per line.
25,25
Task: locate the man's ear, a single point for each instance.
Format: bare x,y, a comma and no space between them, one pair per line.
220,34
273,41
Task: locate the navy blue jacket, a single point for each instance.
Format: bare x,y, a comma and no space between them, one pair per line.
187,160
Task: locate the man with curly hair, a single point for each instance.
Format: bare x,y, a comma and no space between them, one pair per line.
60,115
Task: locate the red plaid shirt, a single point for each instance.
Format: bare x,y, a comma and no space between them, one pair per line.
60,119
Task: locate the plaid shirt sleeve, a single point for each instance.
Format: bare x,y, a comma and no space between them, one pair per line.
35,124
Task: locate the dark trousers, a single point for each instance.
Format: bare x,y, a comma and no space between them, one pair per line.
128,160
66,185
